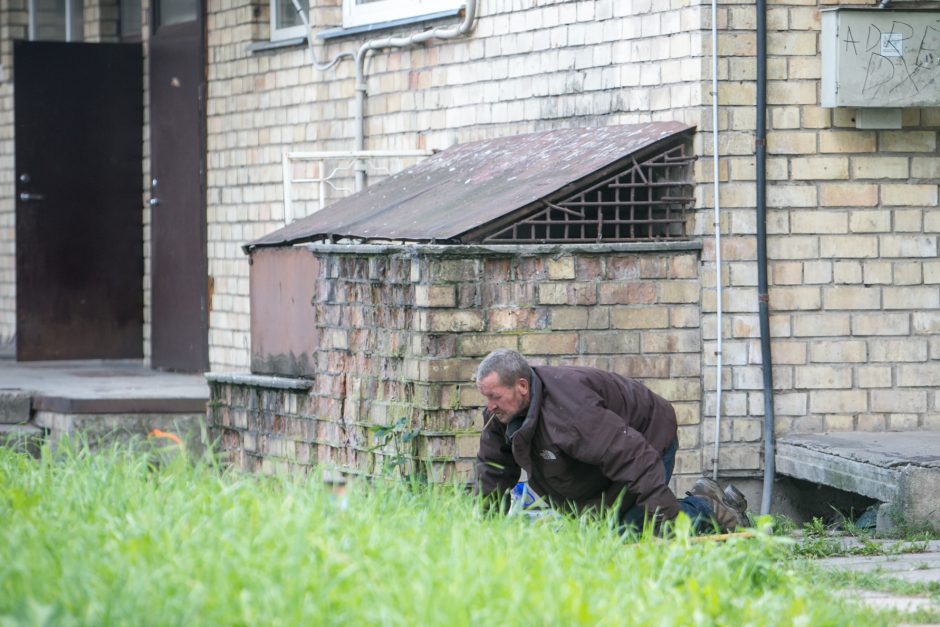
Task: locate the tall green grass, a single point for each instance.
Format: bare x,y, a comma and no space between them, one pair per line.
109,539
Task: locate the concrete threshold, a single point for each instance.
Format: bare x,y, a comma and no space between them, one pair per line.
102,399
900,469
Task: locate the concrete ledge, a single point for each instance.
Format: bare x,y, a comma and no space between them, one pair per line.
152,405
15,407
257,380
901,469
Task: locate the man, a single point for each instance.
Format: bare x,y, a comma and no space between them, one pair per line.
585,438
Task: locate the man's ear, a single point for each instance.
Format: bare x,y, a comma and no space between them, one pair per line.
523,386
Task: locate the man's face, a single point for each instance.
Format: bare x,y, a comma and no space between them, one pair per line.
505,402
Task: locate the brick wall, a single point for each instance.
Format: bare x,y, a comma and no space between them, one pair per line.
401,331
526,66
853,225
13,25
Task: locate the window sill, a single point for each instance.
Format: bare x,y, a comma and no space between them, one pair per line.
338,33
268,46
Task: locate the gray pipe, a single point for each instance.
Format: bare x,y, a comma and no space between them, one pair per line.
762,293
464,27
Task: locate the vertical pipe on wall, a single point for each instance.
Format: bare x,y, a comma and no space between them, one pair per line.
762,291
717,204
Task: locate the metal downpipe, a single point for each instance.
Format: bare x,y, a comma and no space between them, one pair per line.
762,291
442,33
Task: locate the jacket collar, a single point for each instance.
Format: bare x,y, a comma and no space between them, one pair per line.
521,436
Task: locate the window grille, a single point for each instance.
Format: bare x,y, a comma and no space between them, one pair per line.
650,200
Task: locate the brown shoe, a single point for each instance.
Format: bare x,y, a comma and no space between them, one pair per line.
729,508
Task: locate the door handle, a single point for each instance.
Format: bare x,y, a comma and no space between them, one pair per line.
153,202
26,196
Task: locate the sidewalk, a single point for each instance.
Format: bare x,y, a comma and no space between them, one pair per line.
915,567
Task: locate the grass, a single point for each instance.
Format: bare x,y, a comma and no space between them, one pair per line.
113,539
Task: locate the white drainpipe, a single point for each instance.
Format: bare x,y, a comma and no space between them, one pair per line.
374,45
717,203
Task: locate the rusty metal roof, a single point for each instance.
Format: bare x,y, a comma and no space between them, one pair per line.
462,193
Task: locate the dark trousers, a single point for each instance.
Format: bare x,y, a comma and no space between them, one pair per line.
696,508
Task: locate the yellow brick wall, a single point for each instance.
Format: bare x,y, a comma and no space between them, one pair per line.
853,224
525,67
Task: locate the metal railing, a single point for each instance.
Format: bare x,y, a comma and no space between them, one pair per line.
648,200
328,178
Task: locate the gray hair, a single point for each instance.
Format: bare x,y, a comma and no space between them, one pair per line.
509,365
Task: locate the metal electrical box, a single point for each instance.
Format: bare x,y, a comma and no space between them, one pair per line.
880,58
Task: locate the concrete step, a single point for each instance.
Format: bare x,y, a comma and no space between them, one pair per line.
24,438
15,406
900,469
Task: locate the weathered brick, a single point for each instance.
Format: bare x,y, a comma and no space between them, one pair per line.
549,343
742,457
880,323
641,366
795,247
817,221
919,375
848,195
676,389
902,422
874,376
880,167
473,345
673,341
906,273
524,318
908,194
794,298
561,268
907,141
847,272
908,220
877,221
848,246
822,377
435,296
898,401
838,401
926,322
455,321
817,272
911,297
851,298
871,422
685,316
899,350
679,291
828,324
639,317
631,293
609,342
791,196
852,351
815,168
847,141
553,294
791,142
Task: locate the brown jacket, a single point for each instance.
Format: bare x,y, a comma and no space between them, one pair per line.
589,435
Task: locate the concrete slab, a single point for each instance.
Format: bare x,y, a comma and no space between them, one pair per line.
103,387
920,567
900,469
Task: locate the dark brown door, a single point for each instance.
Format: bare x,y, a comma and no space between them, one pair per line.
180,286
79,236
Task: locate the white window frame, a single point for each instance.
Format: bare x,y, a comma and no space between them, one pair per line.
290,32
69,26
388,10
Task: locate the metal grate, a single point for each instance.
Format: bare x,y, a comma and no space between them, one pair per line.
647,201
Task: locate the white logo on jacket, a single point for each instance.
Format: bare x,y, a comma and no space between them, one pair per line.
546,454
